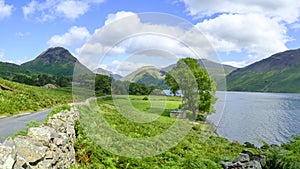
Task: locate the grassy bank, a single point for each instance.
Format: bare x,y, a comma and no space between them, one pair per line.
201,148
17,98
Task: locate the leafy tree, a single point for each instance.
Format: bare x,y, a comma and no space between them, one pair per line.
197,88
138,89
103,84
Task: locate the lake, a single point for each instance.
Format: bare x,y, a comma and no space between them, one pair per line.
249,116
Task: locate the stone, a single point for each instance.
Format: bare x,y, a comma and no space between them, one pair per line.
45,164
60,141
257,157
50,86
30,149
9,142
43,133
48,146
49,155
254,164
57,124
242,158
246,159
21,163
7,157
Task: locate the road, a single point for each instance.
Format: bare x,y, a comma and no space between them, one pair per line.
9,125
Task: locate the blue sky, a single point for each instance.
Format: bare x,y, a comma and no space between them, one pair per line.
241,32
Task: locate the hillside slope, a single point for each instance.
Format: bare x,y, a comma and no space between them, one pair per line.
149,75
10,70
55,61
16,97
278,73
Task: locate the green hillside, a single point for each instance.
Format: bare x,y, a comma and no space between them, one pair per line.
55,61
278,73
10,70
16,97
149,75
152,76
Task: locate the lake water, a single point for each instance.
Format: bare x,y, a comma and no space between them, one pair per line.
245,116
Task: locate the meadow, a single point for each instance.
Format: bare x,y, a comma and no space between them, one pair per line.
17,98
200,148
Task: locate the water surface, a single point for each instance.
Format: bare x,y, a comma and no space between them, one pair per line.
248,116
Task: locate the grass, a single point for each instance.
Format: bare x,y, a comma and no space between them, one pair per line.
16,98
200,148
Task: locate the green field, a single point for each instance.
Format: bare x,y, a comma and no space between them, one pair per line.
201,148
17,98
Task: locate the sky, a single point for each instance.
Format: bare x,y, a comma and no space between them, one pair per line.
123,35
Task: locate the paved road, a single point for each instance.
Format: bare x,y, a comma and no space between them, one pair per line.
9,125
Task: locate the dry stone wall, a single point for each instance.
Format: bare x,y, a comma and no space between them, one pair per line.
48,146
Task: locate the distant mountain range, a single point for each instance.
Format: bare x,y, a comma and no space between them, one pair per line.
107,73
153,76
278,73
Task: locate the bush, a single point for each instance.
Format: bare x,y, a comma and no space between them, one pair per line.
201,117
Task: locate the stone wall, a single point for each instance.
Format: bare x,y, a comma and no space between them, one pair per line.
48,146
246,159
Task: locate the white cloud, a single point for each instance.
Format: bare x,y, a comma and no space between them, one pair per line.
51,9
254,28
131,36
75,35
5,10
72,9
286,10
252,33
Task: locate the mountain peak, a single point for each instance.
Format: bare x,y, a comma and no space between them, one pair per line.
56,54
55,60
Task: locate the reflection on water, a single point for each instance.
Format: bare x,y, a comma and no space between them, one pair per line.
272,117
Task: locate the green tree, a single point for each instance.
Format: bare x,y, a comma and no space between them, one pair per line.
197,88
103,84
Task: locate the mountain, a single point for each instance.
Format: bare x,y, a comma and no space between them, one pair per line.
153,76
55,61
107,73
204,63
216,71
10,70
278,73
149,75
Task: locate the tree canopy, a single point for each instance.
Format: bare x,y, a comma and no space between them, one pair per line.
197,88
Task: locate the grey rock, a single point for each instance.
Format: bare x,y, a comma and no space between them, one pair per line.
45,164
43,133
7,157
242,158
254,164
245,160
21,163
48,146
61,140
30,149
